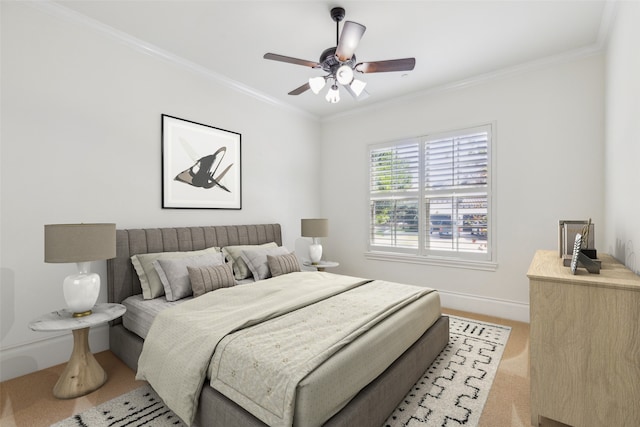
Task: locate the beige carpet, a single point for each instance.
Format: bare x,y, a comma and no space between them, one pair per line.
28,400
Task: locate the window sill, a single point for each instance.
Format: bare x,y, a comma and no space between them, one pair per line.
431,260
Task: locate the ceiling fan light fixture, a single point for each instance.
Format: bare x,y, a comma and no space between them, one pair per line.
357,86
316,84
344,75
333,95
340,64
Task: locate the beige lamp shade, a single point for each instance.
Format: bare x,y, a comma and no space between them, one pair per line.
79,242
315,227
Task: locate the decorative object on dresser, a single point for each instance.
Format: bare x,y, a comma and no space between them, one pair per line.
567,230
577,245
580,259
584,348
201,166
315,228
83,374
80,243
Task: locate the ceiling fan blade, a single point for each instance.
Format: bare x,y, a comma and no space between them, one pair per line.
290,60
351,34
297,91
404,64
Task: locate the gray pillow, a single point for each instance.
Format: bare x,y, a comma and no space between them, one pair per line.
210,278
175,277
256,260
233,254
149,279
283,264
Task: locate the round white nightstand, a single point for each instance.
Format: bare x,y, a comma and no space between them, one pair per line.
83,374
320,266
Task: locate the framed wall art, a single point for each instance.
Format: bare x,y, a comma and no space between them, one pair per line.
201,166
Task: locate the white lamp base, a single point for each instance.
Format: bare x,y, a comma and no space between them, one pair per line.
81,290
315,251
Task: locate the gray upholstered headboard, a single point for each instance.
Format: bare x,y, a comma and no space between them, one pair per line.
122,279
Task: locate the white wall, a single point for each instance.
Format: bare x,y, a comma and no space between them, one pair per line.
81,143
80,121
622,151
549,141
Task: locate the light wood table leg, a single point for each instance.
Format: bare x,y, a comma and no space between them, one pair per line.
83,374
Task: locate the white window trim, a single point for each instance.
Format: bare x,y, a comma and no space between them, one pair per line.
398,255
431,260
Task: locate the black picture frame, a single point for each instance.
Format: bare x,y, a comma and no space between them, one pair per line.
201,166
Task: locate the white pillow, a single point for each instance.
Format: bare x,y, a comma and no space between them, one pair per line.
149,279
174,275
233,254
256,260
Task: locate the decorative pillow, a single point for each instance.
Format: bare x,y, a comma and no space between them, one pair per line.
283,264
175,277
233,254
149,279
256,260
210,278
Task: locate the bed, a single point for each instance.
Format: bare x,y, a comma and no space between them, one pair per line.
370,405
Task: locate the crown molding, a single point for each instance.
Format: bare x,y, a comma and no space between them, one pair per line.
507,72
609,14
61,12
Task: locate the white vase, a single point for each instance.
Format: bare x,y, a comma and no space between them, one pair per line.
315,251
81,290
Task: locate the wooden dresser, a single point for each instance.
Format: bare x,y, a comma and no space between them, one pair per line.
585,343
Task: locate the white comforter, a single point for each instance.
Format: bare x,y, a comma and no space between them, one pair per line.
262,365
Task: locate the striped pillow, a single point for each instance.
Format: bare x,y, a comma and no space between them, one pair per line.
210,278
283,264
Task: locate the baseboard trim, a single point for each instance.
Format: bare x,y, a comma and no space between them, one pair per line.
505,309
33,356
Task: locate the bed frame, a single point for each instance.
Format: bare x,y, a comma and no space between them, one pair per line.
370,407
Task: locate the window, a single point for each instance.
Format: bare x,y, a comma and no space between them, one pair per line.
431,196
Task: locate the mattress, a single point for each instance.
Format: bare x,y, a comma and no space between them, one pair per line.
141,312
317,397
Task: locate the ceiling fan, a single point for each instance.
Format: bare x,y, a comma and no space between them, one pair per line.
340,62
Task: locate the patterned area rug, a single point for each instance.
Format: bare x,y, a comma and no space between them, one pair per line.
454,389
452,392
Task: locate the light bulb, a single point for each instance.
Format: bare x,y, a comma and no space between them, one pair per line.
344,75
316,84
333,95
357,86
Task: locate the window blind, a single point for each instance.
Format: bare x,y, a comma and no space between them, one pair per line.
431,196
456,162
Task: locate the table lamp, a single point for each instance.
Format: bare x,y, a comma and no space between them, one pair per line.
80,243
315,228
